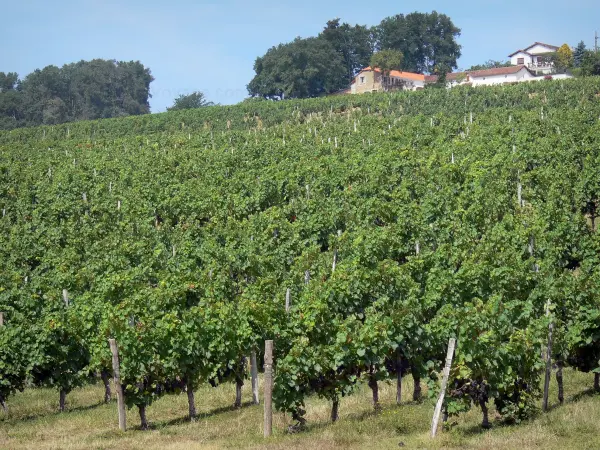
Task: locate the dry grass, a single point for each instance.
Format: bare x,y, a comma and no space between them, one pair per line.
34,423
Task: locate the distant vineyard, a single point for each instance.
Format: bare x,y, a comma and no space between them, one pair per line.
390,223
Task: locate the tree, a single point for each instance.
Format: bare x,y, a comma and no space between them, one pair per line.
190,101
426,40
79,91
489,64
564,58
578,54
8,81
590,63
11,100
387,60
300,69
353,43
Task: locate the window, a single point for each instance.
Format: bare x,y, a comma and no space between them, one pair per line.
362,80
520,61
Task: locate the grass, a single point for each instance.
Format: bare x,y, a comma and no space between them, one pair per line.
33,422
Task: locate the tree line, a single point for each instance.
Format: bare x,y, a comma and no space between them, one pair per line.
79,91
328,62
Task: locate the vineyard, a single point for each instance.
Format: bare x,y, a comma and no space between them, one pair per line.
359,234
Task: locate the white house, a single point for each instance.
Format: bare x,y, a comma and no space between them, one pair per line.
501,75
534,57
487,77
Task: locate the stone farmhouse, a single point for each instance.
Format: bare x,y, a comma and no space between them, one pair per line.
373,80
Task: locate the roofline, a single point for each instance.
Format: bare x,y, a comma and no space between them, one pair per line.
420,76
533,45
520,51
541,43
480,73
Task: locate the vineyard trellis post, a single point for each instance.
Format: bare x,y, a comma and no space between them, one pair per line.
268,419
548,361
118,387
446,374
398,377
254,373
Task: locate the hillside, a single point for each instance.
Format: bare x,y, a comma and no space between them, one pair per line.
390,223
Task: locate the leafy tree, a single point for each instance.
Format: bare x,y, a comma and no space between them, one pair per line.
564,57
353,43
426,40
578,54
489,64
80,91
387,60
190,101
300,69
8,81
590,63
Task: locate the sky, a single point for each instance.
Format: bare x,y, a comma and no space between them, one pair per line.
211,46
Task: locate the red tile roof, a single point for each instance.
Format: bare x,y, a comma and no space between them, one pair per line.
400,74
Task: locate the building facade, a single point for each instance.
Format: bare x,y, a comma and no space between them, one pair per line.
373,80
535,57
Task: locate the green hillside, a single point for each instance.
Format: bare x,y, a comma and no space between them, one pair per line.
392,222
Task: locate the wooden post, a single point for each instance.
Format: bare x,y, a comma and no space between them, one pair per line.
398,377
559,381
65,295
287,301
254,372
1,319
440,401
548,361
335,257
268,420
118,387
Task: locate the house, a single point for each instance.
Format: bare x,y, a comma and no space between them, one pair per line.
495,76
535,57
373,80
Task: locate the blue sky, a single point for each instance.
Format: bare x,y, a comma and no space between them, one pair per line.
211,45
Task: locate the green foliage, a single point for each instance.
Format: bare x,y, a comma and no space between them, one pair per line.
195,223
353,43
578,54
78,91
190,101
387,60
300,69
489,64
564,57
427,40
590,63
